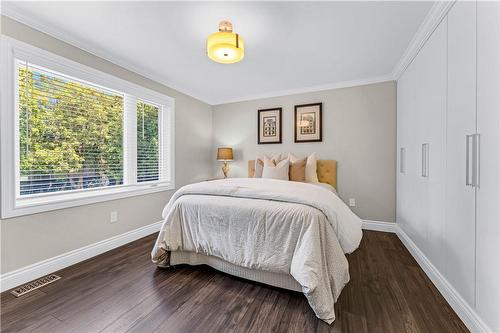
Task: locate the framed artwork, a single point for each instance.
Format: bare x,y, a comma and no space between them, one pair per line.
269,126
308,122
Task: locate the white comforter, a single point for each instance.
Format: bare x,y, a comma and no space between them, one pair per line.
273,225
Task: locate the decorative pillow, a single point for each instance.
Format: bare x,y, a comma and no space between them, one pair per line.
297,171
278,171
311,167
259,166
259,163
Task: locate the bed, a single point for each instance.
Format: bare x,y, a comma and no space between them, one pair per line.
286,234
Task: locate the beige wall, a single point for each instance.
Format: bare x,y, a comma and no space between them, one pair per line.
29,239
359,131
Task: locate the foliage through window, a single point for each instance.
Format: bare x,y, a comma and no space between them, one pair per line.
148,142
75,135
70,133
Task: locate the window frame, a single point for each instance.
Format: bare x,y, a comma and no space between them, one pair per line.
11,203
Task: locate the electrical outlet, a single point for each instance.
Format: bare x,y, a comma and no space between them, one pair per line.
113,217
352,202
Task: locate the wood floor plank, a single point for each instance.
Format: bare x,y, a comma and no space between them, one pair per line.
83,288
165,291
170,305
233,308
122,291
254,318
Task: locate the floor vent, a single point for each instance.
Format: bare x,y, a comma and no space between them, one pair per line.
33,285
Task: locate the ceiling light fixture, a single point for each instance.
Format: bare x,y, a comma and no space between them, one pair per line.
225,46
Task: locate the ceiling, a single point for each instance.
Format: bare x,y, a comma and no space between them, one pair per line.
290,46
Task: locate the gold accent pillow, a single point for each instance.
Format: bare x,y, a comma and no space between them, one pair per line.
297,171
311,168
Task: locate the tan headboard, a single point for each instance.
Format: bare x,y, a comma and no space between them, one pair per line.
327,171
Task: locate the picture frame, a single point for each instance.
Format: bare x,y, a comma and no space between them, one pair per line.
269,126
308,122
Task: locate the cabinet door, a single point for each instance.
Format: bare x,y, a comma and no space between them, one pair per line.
421,120
402,186
409,135
459,239
406,132
432,158
488,195
429,122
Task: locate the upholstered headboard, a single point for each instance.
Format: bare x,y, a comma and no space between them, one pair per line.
327,171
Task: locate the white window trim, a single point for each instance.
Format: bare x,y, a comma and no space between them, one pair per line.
12,206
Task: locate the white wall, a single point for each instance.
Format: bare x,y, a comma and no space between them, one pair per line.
29,239
359,131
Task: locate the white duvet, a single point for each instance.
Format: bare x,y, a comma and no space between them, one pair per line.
279,226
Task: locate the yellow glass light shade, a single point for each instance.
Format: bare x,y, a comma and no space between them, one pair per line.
225,47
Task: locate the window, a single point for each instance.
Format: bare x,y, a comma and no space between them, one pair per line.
70,133
73,135
148,142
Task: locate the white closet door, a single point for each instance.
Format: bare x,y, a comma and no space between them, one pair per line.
428,186
421,120
431,148
409,136
402,185
417,223
406,135
459,239
488,194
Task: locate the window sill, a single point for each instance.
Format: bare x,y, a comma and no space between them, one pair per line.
47,203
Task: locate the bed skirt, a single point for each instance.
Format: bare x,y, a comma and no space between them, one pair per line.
285,281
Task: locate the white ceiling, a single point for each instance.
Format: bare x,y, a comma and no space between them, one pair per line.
290,46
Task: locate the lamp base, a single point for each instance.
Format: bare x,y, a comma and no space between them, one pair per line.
225,169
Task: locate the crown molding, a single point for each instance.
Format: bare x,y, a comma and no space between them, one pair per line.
10,10
436,14
330,86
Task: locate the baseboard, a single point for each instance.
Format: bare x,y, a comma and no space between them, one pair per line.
379,226
15,278
468,315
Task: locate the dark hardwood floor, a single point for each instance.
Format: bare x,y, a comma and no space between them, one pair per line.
122,291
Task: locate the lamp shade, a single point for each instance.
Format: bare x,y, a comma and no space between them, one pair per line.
224,154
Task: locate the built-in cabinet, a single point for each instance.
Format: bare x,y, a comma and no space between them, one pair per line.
448,183
488,198
422,135
459,240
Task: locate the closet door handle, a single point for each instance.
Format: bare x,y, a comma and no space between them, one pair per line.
468,168
425,160
402,160
475,160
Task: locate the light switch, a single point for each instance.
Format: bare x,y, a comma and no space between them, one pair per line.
352,202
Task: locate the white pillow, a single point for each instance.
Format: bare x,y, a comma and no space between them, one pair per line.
311,167
279,171
259,163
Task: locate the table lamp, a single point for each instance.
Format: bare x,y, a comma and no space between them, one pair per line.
225,154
